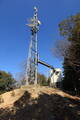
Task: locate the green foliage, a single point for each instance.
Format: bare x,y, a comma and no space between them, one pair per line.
69,77
42,80
70,29
7,82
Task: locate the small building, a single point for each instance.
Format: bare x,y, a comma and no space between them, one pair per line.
56,78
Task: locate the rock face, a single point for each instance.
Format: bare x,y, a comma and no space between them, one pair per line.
39,103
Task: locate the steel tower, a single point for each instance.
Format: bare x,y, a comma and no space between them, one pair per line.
32,61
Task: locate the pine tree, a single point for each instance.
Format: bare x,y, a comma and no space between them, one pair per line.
70,30
7,82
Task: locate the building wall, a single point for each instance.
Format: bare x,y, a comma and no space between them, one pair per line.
56,77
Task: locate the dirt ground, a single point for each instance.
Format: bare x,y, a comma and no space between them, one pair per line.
39,103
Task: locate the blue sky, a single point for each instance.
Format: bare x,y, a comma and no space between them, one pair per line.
15,35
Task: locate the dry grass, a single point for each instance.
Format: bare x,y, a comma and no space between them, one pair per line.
39,103
12,96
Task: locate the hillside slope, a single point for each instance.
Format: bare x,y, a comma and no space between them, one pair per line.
39,103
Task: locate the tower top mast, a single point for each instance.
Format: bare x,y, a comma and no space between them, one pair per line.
34,22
